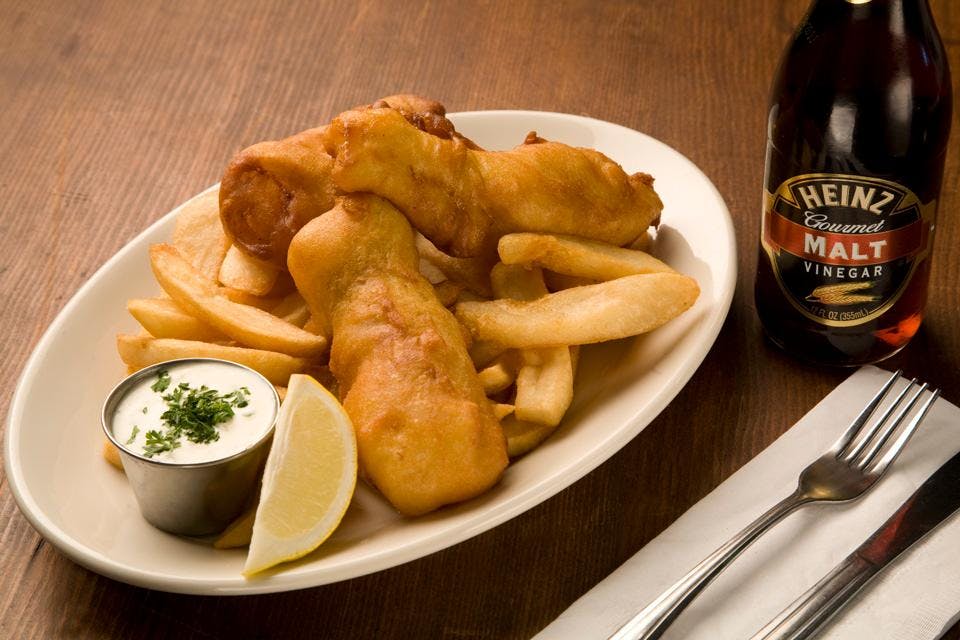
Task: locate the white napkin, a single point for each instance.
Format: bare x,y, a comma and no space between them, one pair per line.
917,597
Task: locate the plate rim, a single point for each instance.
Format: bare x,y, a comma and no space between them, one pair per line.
421,547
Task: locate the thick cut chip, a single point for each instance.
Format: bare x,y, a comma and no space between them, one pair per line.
499,374
240,271
199,236
544,385
545,379
472,273
595,313
502,410
238,533
577,256
560,281
523,436
138,352
111,454
242,297
247,325
315,325
163,318
293,308
517,283
483,353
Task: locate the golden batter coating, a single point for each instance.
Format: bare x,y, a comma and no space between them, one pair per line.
464,199
271,189
426,433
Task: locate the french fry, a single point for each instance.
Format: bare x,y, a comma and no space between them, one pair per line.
470,272
198,234
595,313
560,281
499,375
293,309
238,533
242,297
111,454
523,436
483,353
315,325
545,379
517,282
138,352
544,385
247,325
163,318
430,272
242,272
502,410
577,256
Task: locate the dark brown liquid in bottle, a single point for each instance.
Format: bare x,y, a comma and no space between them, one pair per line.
863,90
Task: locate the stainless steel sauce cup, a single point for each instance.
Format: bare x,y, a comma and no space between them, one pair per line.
191,499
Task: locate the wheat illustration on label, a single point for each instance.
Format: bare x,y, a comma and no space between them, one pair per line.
838,295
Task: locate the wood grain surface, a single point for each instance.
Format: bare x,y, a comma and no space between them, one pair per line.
114,111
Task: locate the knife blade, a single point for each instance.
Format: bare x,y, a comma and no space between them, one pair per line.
934,502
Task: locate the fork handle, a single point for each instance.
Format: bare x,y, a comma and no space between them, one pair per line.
813,609
653,620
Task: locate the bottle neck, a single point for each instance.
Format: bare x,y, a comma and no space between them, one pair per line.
862,9
899,17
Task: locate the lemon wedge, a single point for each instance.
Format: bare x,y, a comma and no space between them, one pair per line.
309,477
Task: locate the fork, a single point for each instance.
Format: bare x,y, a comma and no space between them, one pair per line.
851,466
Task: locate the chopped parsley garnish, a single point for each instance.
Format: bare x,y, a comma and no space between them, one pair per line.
159,442
191,413
144,409
162,382
133,434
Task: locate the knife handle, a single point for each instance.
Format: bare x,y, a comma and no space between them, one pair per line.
811,611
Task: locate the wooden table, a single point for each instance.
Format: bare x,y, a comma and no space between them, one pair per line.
113,112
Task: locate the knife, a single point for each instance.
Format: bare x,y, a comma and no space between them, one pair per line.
935,501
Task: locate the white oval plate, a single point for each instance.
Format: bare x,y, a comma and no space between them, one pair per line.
84,506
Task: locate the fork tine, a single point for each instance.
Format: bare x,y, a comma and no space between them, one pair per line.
860,441
868,410
877,442
863,439
901,442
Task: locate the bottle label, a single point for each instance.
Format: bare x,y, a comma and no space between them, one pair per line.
843,248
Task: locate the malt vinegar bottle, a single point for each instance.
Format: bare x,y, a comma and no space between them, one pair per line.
857,136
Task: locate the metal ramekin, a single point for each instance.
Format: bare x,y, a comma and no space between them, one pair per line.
189,499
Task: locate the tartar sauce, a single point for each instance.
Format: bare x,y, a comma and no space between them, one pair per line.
139,411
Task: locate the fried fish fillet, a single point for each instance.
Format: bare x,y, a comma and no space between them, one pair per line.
464,199
271,189
426,433
425,114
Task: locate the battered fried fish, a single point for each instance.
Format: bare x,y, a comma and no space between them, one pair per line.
426,433
464,199
425,114
271,189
